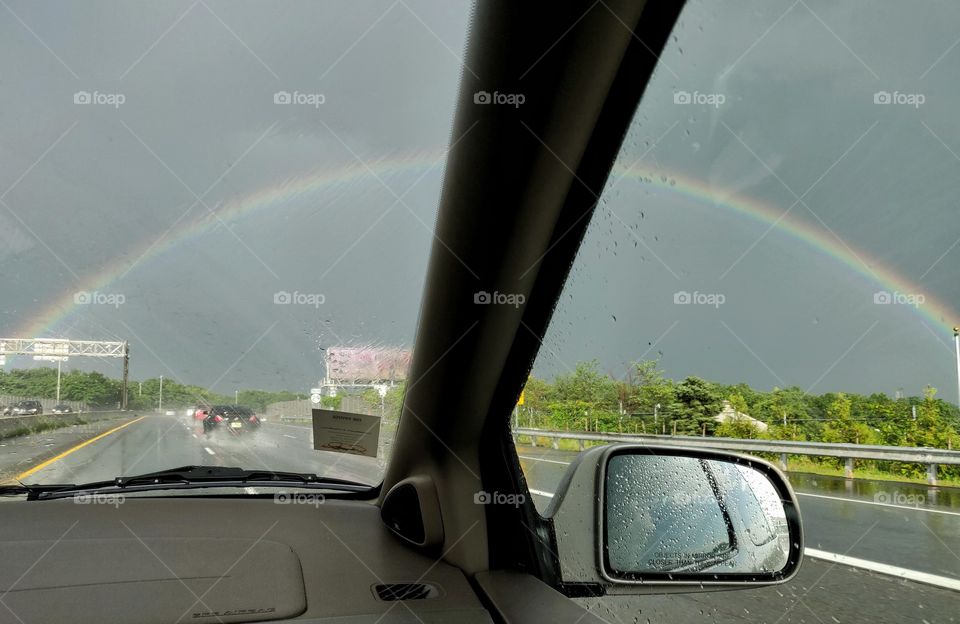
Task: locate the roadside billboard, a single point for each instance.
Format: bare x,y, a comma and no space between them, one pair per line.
367,364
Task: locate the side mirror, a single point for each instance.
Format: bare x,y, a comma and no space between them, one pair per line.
637,519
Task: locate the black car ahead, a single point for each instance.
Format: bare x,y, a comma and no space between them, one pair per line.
27,408
236,419
62,408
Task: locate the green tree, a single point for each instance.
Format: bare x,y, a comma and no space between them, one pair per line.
930,428
699,402
537,393
737,428
93,388
331,402
586,383
738,403
841,427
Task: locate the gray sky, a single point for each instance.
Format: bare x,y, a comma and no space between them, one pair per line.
796,119
103,197
198,82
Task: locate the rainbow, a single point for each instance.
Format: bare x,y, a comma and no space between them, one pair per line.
868,267
276,197
268,198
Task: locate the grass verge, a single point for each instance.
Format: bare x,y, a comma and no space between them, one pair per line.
805,465
40,427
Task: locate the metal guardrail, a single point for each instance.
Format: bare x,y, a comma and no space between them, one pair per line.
931,457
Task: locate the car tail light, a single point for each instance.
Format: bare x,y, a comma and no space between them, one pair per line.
218,418
253,419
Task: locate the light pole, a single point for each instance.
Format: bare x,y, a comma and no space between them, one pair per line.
956,346
160,406
236,396
59,362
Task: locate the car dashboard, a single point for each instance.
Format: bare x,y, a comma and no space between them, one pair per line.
196,559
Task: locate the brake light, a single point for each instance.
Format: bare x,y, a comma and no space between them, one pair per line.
253,419
218,418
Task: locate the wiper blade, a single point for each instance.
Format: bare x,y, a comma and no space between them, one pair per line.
202,474
196,476
32,490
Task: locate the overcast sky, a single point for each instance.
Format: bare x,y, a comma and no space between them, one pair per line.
105,195
796,119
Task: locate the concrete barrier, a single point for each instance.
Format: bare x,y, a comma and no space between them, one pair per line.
9,400
292,420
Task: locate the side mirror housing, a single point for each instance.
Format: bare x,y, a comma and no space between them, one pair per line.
647,519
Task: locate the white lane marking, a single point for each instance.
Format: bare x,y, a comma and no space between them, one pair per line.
883,568
864,502
194,435
291,437
552,461
873,566
207,449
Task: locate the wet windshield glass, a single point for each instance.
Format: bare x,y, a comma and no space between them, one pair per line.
775,257
240,196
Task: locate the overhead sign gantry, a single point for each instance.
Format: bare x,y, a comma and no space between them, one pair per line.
60,349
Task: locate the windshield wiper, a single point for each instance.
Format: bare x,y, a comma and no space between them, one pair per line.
31,490
194,476
202,474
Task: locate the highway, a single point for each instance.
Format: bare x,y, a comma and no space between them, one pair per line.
156,442
845,522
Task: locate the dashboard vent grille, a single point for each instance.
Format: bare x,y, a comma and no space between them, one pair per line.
406,591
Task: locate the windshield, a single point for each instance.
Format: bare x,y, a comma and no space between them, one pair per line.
229,203
775,257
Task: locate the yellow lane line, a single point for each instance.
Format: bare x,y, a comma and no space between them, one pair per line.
38,467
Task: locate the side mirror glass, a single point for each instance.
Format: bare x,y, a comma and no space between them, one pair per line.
636,519
668,516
